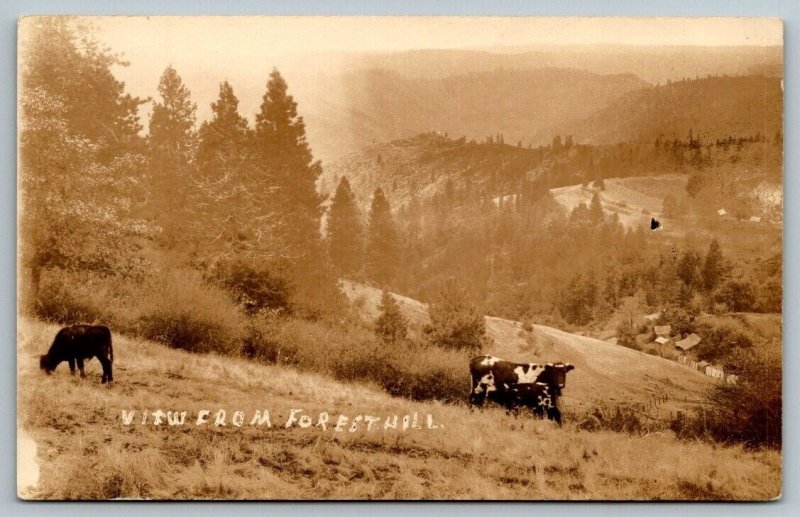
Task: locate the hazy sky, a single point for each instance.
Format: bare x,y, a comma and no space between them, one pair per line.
236,35
243,49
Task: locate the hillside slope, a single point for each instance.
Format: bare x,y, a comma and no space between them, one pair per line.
604,375
634,200
713,108
84,451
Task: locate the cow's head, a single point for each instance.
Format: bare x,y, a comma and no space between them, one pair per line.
45,363
556,374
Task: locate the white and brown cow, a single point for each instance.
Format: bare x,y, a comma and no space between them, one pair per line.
512,385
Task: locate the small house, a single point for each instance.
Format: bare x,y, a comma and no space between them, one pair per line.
731,379
661,340
663,330
689,342
702,366
722,212
755,219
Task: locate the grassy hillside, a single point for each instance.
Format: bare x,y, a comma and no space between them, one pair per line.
84,451
634,200
605,375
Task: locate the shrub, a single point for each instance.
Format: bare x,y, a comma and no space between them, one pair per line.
65,301
737,296
748,412
391,326
681,320
180,309
455,323
252,286
721,339
626,334
416,371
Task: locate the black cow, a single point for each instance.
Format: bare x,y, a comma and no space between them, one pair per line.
541,398
76,343
518,384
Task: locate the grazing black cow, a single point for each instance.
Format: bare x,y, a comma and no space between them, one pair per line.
518,384
76,343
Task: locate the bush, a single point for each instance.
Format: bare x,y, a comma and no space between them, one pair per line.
681,320
748,412
620,419
626,334
252,286
181,310
721,339
416,371
736,296
391,326
455,323
66,301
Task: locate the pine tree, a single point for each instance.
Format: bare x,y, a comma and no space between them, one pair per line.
171,145
223,139
280,141
596,214
345,231
689,268
391,326
381,247
232,197
714,269
65,60
455,322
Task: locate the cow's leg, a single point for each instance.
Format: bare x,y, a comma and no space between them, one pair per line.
478,394
80,366
554,413
106,363
72,365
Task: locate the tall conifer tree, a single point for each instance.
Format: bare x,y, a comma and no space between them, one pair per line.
345,231
280,141
171,146
381,249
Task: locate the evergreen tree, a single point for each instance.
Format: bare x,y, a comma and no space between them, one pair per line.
232,195
223,139
345,232
79,173
455,322
65,60
171,143
689,267
714,269
381,247
280,141
596,214
391,326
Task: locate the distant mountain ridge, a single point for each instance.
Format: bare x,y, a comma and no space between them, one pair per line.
712,108
369,106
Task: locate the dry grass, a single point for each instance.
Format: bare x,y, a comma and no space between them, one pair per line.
85,452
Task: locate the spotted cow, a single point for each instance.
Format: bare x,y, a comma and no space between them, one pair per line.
512,385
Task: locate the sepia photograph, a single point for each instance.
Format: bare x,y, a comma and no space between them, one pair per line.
425,258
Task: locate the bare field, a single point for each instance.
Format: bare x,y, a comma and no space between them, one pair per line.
635,200
85,452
